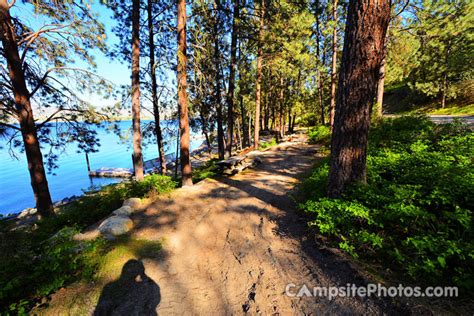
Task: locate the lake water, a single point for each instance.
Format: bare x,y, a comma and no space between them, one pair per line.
72,177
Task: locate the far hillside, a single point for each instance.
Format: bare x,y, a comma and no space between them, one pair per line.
401,99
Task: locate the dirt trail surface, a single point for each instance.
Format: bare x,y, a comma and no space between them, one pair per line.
232,245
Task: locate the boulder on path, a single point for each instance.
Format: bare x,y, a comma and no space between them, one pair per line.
115,226
133,203
123,211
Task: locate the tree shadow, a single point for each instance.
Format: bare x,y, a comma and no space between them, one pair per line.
134,293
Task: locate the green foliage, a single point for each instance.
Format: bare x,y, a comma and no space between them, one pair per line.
35,263
319,134
94,206
268,144
433,57
415,212
208,170
35,269
308,120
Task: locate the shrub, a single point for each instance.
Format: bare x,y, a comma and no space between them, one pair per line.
268,144
34,263
308,120
415,210
319,134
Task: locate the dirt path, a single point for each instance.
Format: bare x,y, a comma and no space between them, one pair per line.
232,245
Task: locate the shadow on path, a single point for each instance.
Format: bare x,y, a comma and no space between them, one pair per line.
134,293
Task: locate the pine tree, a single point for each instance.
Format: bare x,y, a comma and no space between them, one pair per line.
363,52
186,170
40,71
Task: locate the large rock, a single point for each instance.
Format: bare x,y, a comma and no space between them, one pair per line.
115,226
123,211
133,203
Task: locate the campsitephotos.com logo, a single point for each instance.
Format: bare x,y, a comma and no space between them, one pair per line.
371,289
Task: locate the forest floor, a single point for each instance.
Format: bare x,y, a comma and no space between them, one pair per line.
230,246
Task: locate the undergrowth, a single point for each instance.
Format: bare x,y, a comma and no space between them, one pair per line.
414,215
36,262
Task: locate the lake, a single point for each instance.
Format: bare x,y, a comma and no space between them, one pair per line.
72,177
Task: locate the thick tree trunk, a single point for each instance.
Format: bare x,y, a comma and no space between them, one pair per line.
137,135
334,64
232,70
363,53
21,95
258,92
186,170
154,89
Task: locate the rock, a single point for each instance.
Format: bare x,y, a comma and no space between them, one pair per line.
27,212
134,203
115,226
257,160
123,211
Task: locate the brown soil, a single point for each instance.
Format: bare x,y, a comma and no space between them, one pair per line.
233,244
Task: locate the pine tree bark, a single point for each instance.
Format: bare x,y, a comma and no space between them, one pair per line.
318,72
186,170
154,89
258,88
232,71
137,135
218,96
39,183
334,64
363,52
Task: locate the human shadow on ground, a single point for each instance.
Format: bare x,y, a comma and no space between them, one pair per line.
134,293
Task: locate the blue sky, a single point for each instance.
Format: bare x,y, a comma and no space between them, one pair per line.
113,70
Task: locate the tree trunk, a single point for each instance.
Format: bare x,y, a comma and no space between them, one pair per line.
282,112
444,88
154,89
245,128
232,70
318,73
381,81
24,111
220,129
363,53
334,64
258,88
137,135
186,170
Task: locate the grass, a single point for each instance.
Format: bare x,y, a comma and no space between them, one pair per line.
37,262
208,170
81,297
265,145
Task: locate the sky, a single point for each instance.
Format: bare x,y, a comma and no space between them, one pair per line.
112,70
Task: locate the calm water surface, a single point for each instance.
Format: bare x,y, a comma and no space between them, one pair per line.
72,177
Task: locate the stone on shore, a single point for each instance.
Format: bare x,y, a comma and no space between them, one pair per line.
133,203
115,226
123,211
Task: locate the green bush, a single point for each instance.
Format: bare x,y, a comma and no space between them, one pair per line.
415,212
208,170
319,134
35,263
308,120
268,144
